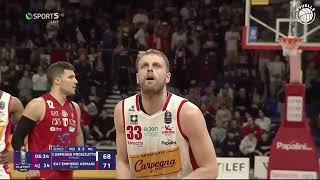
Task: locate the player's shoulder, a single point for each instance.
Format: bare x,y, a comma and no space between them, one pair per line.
189,109
75,104
130,99
36,102
15,100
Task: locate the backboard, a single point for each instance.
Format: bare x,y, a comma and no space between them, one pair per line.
267,20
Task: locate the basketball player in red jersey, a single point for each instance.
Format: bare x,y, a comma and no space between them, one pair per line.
160,134
11,110
51,120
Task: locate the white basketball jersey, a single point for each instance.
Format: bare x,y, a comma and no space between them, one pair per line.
5,129
4,120
155,144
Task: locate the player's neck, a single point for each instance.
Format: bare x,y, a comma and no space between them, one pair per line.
61,98
153,103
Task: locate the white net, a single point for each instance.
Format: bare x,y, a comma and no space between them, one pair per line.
290,45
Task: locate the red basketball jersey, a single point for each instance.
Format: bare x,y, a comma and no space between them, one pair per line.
58,128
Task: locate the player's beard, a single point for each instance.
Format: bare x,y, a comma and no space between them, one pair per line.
157,88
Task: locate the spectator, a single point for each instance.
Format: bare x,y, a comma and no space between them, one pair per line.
249,126
39,83
85,122
263,145
180,66
156,41
242,101
208,116
235,127
179,35
140,37
103,127
90,107
99,75
225,98
229,90
218,134
224,114
232,38
263,122
248,146
276,69
210,96
8,52
230,145
25,87
140,17
83,73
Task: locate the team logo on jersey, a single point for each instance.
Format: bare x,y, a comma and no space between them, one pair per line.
72,122
50,104
132,108
168,142
155,164
64,113
151,131
134,119
168,130
72,129
65,122
2,104
167,117
55,129
135,143
54,113
2,117
65,138
56,121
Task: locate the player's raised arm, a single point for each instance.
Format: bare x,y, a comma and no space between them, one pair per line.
122,163
194,127
31,115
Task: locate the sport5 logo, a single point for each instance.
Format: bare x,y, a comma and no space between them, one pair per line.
134,132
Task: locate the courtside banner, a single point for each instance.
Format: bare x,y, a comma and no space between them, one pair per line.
231,168
261,167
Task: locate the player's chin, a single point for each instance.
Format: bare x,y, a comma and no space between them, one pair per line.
72,92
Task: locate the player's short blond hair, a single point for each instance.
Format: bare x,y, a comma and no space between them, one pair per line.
155,52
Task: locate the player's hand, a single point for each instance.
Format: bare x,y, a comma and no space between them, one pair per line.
33,174
6,157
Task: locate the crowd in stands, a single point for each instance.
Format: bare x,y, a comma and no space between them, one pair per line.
240,92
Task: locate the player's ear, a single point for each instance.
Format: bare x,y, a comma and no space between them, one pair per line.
168,77
57,81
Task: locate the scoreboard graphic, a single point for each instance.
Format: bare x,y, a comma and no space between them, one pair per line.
65,158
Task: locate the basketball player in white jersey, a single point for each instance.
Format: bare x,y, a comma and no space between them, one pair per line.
11,110
159,134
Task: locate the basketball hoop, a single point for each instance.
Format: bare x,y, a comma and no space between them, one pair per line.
290,45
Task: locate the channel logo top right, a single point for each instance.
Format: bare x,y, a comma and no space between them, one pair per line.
305,14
